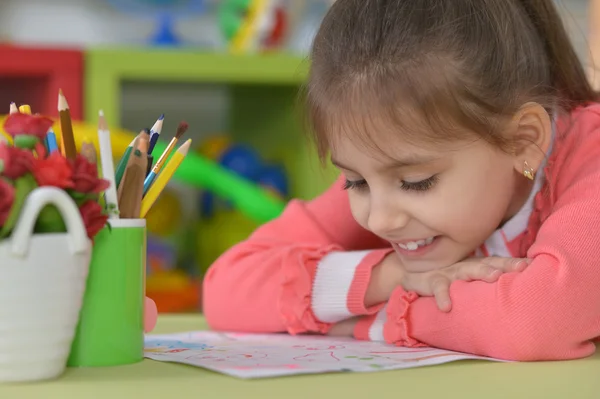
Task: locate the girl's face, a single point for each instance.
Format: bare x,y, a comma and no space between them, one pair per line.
435,205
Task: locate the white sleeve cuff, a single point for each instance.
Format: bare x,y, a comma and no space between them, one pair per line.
333,279
376,329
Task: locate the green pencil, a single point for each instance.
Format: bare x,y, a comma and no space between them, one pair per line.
123,161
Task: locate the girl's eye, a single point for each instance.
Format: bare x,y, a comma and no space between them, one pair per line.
355,185
422,185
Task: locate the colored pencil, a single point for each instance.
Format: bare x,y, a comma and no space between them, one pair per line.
66,127
13,108
181,129
50,141
164,177
25,109
89,151
123,161
108,168
155,133
131,189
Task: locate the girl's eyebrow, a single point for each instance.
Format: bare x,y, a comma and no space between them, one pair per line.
411,160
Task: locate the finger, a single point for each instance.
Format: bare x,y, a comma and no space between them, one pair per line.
507,264
440,286
343,328
478,271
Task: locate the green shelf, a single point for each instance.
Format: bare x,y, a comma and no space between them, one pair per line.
107,68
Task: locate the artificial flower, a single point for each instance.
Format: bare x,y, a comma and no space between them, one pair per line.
85,177
54,170
24,124
93,217
14,161
7,198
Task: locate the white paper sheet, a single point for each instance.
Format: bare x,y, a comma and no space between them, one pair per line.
274,355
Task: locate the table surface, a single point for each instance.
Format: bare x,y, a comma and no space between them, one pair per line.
465,379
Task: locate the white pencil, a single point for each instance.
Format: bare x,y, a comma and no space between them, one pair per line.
108,168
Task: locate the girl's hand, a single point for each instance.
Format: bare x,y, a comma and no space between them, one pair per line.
437,282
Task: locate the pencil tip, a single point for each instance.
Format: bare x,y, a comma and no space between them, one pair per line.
184,148
60,92
161,117
101,113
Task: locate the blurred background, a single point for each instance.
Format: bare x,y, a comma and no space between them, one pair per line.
231,68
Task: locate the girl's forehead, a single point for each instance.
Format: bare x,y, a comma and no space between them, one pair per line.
381,137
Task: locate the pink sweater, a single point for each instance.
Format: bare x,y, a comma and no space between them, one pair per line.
310,268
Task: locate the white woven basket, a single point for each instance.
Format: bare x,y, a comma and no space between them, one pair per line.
42,282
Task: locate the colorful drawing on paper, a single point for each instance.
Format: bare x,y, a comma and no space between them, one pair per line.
275,355
173,346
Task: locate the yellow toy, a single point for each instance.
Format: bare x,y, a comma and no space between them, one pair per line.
253,25
166,215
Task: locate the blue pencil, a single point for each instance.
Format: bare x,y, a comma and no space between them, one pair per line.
155,133
51,143
181,129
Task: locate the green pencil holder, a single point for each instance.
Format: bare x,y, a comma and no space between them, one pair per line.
111,325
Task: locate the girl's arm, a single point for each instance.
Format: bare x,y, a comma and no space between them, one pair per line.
549,311
302,272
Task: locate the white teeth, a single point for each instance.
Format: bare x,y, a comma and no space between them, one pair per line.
414,245
411,246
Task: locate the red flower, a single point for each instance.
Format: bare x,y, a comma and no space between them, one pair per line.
85,177
7,197
93,218
14,162
35,125
53,171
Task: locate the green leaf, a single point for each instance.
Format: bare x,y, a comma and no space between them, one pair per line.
50,220
76,195
25,141
81,198
111,209
23,187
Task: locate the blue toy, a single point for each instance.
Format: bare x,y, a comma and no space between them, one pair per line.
247,163
273,177
166,12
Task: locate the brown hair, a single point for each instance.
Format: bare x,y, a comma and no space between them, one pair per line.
457,65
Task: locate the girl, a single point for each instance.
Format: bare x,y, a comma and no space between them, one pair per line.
469,147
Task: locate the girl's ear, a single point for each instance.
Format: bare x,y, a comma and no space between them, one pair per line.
531,131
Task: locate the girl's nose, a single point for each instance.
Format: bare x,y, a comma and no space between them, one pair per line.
385,219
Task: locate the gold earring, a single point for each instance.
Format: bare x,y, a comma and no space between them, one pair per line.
528,171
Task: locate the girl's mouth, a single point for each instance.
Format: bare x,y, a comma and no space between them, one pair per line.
415,247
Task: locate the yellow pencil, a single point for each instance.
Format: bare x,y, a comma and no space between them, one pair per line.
164,177
25,109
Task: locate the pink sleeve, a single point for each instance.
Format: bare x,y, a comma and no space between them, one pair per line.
298,273
549,311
